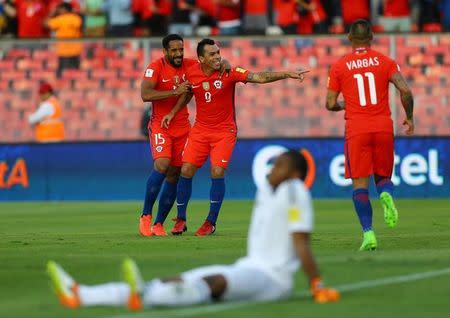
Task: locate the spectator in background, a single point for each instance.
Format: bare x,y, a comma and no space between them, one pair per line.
313,17
229,17
159,22
256,18
353,10
396,16
30,18
66,25
142,12
181,17
204,17
286,15
445,13
94,18
429,19
8,18
47,119
120,18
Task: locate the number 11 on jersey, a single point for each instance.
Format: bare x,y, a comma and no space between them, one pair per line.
362,91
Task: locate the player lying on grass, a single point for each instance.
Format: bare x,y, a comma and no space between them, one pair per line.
363,78
283,206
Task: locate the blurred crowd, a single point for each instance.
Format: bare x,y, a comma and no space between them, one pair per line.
126,18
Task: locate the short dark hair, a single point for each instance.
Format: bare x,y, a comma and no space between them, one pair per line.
361,31
67,6
298,162
169,38
201,46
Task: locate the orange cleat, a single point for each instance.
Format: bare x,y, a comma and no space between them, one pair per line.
145,223
179,227
158,230
207,228
323,294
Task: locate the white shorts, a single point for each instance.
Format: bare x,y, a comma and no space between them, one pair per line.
244,282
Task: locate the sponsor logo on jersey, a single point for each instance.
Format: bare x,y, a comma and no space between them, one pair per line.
240,70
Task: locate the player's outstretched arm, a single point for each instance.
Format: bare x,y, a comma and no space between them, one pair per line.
332,103
269,77
181,102
149,93
407,101
320,293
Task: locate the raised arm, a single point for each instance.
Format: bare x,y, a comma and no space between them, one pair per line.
332,103
304,253
149,93
181,102
407,100
268,77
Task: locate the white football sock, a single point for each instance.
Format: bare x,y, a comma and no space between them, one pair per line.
182,293
110,294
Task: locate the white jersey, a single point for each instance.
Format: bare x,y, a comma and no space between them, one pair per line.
276,215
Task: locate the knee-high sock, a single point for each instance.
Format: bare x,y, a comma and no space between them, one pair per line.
363,208
385,185
182,293
166,200
111,294
154,183
216,198
184,191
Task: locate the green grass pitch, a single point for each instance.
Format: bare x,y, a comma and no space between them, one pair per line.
90,239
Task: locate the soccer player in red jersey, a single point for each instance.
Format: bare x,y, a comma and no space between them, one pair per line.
214,131
363,78
163,82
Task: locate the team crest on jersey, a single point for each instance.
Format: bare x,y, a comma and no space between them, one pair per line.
159,149
176,79
205,86
218,84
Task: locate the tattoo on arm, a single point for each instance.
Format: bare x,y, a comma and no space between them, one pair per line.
405,94
266,77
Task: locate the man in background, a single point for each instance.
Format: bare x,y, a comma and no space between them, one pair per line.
47,119
66,25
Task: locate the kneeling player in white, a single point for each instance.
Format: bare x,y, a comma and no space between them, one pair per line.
278,243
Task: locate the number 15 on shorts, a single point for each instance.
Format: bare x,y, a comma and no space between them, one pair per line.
159,139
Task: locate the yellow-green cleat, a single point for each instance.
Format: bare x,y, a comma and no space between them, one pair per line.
64,286
369,242
390,211
132,276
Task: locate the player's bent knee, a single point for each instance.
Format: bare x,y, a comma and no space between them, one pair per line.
188,170
162,165
173,173
217,172
217,284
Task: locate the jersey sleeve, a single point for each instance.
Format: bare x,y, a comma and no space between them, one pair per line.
152,72
239,74
333,79
300,211
392,68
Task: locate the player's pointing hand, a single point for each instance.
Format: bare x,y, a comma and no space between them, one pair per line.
300,74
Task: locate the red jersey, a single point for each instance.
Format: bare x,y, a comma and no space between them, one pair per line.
30,16
214,96
396,8
167,78
229,12
286,12
353,10
363,78
255,7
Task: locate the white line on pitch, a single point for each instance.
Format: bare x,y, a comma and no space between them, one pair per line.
193,311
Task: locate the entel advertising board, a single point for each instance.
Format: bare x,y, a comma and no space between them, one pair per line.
119,170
